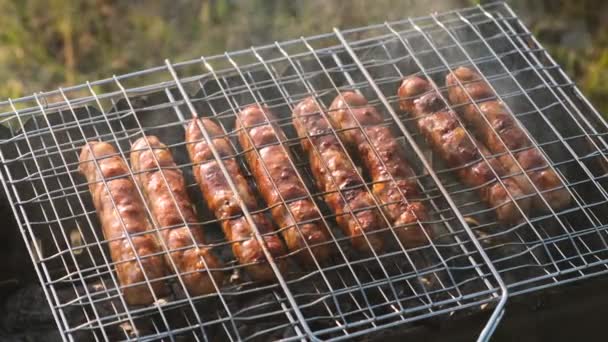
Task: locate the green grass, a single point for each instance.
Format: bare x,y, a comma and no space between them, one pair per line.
47,44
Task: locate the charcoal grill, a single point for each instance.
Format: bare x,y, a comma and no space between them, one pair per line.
474,264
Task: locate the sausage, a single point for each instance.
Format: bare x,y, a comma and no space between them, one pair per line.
124,216
502,125
166,201
337,177
277,180
384,159
448,138
225,203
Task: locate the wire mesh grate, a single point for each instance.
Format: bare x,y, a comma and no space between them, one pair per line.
471,260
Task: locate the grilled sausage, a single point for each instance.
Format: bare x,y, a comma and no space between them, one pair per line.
122,213
337,177
281,182
225,203
166,203
448,138
384,159
501,124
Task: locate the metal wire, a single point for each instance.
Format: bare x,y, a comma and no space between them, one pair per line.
474,262
499,310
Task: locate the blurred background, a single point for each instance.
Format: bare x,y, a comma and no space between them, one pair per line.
45,44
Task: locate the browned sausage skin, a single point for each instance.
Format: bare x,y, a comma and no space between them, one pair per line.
492,123
337,177
166,203
384,159
448,138
225,204
122,213
277,180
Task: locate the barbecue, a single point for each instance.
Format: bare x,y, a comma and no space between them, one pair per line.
351,184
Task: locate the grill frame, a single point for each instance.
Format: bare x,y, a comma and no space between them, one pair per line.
480,254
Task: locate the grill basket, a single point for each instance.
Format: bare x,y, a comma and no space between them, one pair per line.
474,263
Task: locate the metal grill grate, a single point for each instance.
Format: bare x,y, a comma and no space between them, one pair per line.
472,261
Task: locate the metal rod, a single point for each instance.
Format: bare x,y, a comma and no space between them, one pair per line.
295,168
499,310
244,208
267,172
392,179
181,217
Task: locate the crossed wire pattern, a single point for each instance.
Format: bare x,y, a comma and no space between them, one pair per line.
471,260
